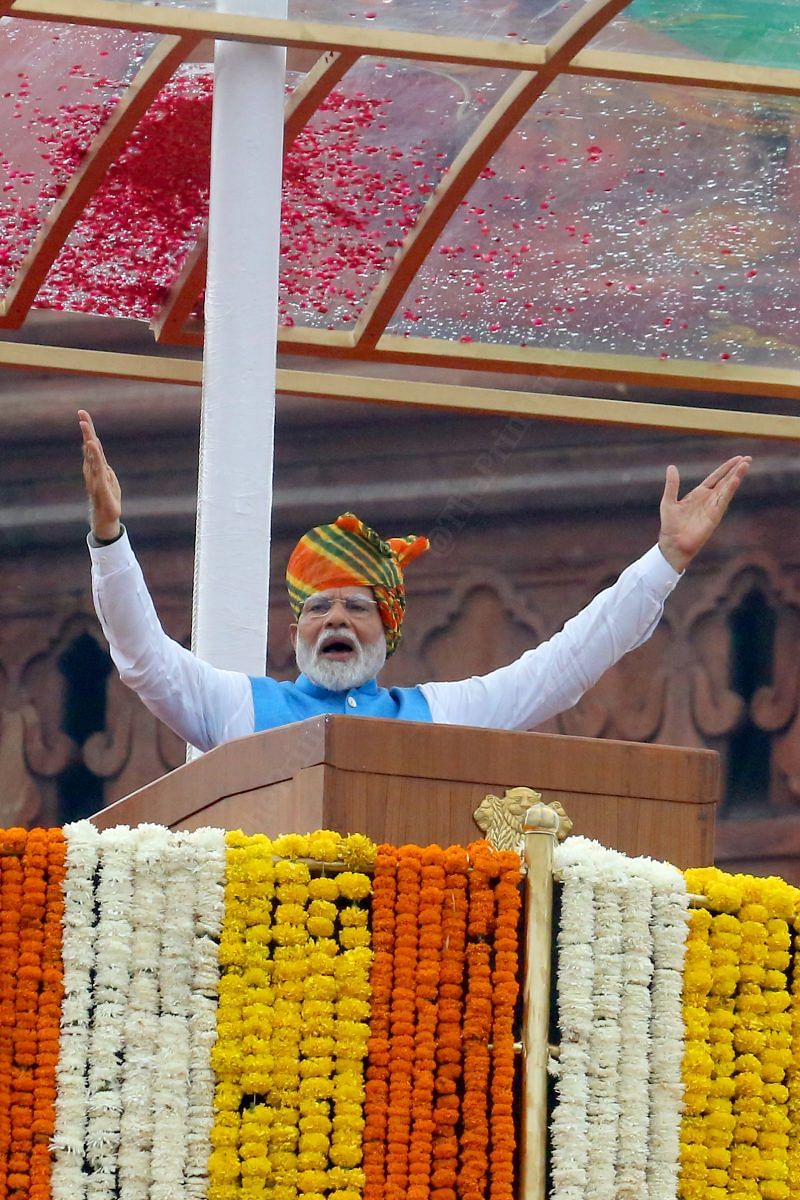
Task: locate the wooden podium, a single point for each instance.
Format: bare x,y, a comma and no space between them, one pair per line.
400,781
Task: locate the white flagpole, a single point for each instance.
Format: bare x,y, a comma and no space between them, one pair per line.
229,625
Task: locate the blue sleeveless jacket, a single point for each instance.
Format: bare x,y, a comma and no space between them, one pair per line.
278,704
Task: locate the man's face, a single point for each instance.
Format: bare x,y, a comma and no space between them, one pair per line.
339,639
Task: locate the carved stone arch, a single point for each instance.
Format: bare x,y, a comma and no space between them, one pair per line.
745,698
63,687
731,577
482,623
707,622
42,688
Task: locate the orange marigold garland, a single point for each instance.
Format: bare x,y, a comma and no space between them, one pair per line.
426,1002
49,1013
505,989
11,884
449,1065
439,1116
401,1063
384,894
477,1028
11,898
28,974
31,907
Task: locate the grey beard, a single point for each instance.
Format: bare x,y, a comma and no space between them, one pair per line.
340,676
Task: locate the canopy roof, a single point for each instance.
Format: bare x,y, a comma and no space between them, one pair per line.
594,190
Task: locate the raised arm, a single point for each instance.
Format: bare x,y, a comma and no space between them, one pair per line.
555,674
102,485
200,703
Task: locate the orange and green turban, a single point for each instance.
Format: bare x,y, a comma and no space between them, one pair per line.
350,554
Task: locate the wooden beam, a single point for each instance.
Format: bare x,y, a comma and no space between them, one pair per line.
396,44
446,397
583,409
174,323
316,85
684,374
103,363
578,31
109,141
382,43
471,160
685,72
638,370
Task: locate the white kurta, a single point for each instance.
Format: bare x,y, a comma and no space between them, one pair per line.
207,706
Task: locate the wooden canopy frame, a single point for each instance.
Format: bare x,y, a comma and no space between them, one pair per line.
339,48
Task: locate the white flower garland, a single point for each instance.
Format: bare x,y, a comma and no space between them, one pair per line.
148,914
172,1038
634,1060
670,928
605,1039
210,859
113,937
615,1128
575,981
143,914
68,1180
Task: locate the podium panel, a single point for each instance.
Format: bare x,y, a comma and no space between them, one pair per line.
400,781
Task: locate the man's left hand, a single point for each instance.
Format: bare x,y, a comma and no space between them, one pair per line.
687,524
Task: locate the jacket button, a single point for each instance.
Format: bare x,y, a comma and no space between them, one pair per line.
351,700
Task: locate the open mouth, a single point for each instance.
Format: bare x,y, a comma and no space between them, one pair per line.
337,650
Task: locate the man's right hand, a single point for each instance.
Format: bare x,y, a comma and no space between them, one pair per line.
102,485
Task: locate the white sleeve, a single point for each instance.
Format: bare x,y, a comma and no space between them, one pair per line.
199,702
554,675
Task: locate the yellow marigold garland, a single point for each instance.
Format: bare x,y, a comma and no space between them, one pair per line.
292,1021
244,1018
741,1040
793,1107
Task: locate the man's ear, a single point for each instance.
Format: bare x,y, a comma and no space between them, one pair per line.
293,634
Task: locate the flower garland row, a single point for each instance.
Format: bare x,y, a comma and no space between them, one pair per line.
623,925
142,919
31,909
190,1014
292,1023
742,1013
440,1069
332,1023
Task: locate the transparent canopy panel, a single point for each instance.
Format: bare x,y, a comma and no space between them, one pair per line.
359,175
753,32
506,20
58,84
355,180
514,20
618,217
133,236
628,218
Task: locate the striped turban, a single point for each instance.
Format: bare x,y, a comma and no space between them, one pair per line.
350,554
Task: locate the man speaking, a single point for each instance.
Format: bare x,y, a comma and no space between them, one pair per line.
347,592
